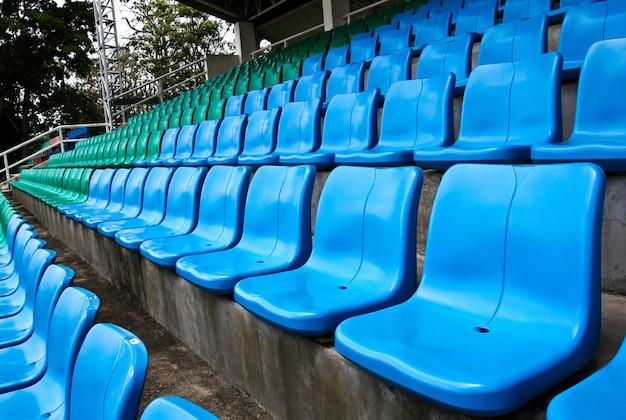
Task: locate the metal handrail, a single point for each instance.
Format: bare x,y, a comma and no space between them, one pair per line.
284,41
61,144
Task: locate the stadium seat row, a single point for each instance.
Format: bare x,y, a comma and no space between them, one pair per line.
511,114
56,363
476,308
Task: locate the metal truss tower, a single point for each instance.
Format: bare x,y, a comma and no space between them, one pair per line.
109,56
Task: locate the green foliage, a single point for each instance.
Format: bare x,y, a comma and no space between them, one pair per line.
44,52
167,35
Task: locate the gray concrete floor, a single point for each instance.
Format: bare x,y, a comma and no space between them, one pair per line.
176,370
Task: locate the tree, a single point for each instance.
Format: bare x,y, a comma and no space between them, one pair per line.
44,54
167,35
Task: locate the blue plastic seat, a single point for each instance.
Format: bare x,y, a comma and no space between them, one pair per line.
524,9
476,18
345,79
599,133
417,113
598,396
507,108
312,86
108,375
388,69
13,226
313,64
256,100
23,286
336,57
363,48
152,204
556,15
235,105
260,138
229,142
392,41
130,201
586,24
37,308
398,17
427,31
168,148
452,55
363,256
98,194
276,232
101,380
24,234
220,218
181,210
299,131
26,363
172,407
204,143
281,94
350,125
509,300
184,145
515,41
446,7
115,198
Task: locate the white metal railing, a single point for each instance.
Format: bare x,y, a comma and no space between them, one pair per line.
61,144
348,16
283,42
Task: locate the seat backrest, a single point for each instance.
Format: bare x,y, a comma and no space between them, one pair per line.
156,139
109,375
300,127
222,201
172,407
387,69
155,193
313,64
94,184
277,214
363,48
206,136
349,78
500,245
184,144
73,316
200,113
600,112
524,9
336,57
183,195
513,103
235,104
476,18
427,31
312,86
292,70
256,100
586,24
261,132
32,265
142,146
133,192
187,117
448,56
391,41
281,94
168,144
514,41
366,225
131,151
351,122
216,109
104,187
230,136
54,280
419,113
118,185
